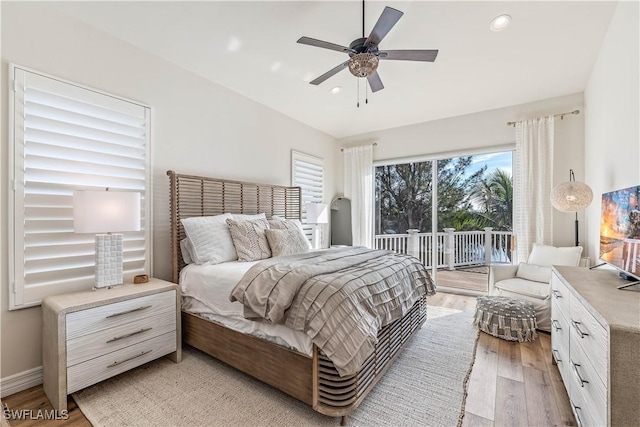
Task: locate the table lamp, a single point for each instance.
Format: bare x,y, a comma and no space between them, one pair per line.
317,213
107,212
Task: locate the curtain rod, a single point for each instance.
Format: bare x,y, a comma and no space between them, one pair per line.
561,115
373,143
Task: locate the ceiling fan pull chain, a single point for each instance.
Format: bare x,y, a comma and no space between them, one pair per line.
358,93
366,93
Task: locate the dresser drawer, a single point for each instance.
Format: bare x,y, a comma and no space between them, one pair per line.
108,316
90,346
560,326
560,295
90,372
591,336
560,339
587,384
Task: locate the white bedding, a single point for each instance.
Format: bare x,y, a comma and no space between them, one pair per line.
206,290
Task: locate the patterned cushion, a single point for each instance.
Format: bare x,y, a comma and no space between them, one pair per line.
249,239
278,223
506,318
287,242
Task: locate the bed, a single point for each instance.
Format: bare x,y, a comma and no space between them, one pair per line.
307,375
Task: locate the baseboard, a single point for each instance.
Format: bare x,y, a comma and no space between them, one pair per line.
20,381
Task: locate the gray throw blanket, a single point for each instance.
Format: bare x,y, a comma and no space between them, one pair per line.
340,298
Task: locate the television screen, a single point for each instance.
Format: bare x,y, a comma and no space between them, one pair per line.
620,230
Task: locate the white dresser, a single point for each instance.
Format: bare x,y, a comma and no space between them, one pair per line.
94,335
595,341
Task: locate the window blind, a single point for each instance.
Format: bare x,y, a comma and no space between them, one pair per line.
66,138
307,172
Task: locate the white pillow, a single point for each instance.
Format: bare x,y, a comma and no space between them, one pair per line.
280,223
210,239
286,242
248,217
550,255
535,273
185,248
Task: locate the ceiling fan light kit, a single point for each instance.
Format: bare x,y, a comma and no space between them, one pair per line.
363,64
364,56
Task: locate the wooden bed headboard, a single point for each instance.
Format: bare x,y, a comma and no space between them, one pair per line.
191,195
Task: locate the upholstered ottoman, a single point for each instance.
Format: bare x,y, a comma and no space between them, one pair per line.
506,318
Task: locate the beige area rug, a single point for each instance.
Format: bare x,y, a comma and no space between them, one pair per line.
426,387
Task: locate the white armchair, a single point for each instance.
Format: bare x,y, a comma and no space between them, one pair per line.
531,281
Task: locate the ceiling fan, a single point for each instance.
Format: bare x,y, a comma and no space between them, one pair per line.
364,54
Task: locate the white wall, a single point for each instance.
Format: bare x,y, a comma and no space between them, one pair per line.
197,127
612,136
488,129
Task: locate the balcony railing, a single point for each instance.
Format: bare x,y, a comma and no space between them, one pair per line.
454,248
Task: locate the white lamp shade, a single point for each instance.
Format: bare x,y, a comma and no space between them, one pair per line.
106,211
317,213
571,196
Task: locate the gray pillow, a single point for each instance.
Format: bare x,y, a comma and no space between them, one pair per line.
289,224
286,242
249,239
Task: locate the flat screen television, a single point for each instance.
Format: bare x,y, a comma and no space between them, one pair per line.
620,231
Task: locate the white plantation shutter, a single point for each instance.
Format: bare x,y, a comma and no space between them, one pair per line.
307,172
68,138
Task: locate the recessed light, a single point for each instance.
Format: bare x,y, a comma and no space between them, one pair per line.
499,23
336,90
234,44
276,66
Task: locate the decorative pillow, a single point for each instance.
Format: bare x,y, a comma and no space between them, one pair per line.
287,242
550,255
279,223
185,248
249,239
535,273
244,217
210,239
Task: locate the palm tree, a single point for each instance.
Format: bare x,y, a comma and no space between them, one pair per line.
493,195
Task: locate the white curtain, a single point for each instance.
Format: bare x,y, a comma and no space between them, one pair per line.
533,179
358,186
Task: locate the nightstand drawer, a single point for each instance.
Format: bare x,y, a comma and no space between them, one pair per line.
106,341
85,374
108,316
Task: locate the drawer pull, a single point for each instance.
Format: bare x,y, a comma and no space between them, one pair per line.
575,409
556,294
144,307
556,356
116,363
556,325
576,326
129,335
574,367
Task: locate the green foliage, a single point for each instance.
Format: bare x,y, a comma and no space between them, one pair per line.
403,197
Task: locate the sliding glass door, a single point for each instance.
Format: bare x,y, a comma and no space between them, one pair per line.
456,221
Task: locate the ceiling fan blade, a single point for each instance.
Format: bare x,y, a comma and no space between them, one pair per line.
374,82
329,73
409,55
385,23
319,43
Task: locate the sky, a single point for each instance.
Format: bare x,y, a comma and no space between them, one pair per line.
501,160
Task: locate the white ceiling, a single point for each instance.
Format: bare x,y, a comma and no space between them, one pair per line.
250,47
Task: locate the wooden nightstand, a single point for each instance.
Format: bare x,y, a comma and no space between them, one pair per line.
94,335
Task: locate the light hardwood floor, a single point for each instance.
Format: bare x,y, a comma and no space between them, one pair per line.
511,384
